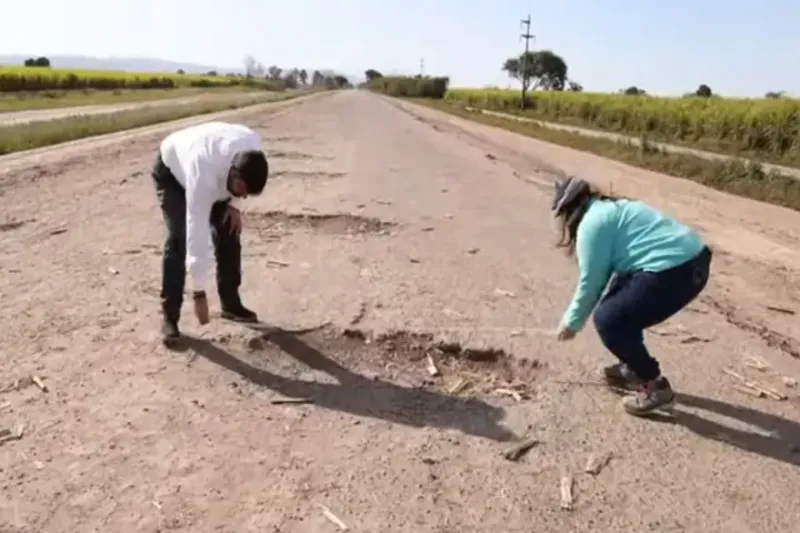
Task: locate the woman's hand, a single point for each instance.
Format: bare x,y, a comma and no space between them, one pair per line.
565,334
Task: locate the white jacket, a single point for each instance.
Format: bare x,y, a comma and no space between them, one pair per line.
200,158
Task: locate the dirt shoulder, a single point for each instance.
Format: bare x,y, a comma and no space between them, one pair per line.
390,230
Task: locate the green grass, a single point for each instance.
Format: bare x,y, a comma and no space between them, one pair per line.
736,177
27,101
18,137
760,129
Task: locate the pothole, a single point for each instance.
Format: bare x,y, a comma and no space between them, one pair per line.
280,222
427,361
289,155
307,174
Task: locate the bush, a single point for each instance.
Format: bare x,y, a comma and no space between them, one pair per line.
410,87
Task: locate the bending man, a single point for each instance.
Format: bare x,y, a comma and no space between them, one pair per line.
197,171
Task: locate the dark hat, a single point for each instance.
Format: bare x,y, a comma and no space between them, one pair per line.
566,191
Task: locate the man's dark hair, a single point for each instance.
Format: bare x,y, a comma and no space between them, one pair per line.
253,169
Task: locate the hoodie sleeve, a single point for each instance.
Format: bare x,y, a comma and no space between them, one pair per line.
594,249
200,197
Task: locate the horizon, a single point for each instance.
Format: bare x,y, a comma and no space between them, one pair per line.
665,49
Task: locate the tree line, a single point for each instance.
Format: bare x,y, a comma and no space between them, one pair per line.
545,70
294,78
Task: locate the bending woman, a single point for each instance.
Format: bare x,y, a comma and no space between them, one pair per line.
659,266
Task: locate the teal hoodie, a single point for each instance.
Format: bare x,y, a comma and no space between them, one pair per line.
620,237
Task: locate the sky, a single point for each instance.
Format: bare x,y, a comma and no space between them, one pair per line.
737,47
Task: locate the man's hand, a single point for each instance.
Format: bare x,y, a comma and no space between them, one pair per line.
565,334
201,308
233,219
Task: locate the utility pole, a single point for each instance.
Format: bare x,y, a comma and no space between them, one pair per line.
421,67
527,36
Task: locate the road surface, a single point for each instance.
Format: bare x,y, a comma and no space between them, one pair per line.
43,115
386,227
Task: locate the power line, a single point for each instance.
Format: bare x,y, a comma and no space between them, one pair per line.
524,66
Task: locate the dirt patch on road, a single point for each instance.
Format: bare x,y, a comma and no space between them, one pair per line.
277,223
419,358
296,156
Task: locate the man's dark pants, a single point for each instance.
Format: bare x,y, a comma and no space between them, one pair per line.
227,247
640,300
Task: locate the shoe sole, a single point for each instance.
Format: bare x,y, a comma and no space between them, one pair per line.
234,318
667,408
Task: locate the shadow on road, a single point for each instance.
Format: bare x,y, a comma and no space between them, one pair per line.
359,395
780,439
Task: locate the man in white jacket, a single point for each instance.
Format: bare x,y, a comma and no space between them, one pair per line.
198,171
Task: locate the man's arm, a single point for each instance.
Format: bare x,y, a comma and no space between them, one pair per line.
594,250
200,197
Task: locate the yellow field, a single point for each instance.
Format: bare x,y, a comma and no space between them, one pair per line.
765,129
16,79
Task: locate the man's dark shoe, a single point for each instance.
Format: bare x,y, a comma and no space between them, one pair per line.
238,313
170,334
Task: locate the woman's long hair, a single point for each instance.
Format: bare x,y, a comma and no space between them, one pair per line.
572,213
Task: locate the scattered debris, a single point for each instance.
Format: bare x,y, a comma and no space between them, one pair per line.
518,449
596,462
761,389
789,382
490,157
779,309
433,370
5,406
567,497
459,386
58,231
383,202
501,292
276,263
362,312
751,392
694,338
448,215
756,363
414,259
473,251
332,517
428,228
39,383
7,435
286,401
510,392
113,271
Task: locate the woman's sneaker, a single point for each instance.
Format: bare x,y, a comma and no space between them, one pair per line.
649,397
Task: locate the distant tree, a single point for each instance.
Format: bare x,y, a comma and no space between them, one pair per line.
372,74
634,91
703,91
250,66
274,72
291,79
303,75
341,82
775,95
211,73
180,71
37,62
574,86
317,78
543,69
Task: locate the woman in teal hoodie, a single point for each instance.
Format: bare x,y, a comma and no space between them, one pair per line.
658,267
